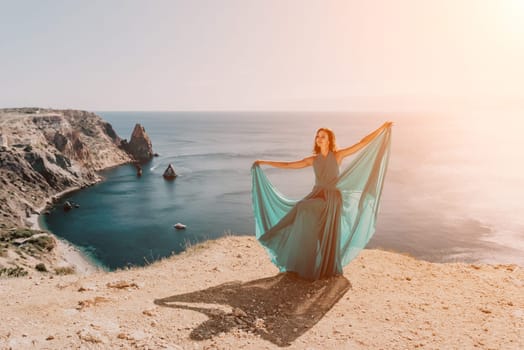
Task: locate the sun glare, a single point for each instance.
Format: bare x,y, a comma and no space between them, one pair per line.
513,17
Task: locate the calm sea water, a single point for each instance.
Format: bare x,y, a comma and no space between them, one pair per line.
453,190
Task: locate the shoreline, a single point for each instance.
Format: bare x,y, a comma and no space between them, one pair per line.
67,253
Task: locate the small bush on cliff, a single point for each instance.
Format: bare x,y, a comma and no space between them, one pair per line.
23,232
41,267
46,243
13,272
65,270
16,233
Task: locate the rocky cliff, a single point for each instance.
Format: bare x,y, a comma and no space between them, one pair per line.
44,152
139,147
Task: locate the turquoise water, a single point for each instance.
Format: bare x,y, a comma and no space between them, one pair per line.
448,195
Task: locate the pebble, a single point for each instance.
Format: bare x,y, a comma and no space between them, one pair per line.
239,312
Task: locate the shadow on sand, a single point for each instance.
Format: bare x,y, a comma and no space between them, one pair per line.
280,308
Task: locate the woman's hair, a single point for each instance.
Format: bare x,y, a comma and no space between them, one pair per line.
331,138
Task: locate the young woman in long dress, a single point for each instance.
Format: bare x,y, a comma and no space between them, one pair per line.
318,235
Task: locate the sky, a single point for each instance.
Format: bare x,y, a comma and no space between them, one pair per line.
260,55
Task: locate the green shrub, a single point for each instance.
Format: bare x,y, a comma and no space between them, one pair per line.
65,270
13,272
43,243
17,233
41,267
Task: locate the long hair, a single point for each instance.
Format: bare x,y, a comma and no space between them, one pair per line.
331,138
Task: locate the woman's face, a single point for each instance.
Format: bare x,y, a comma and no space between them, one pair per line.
322,139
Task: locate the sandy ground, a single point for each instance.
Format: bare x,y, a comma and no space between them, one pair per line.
226,294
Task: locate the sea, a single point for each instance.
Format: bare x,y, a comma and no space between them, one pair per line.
453,191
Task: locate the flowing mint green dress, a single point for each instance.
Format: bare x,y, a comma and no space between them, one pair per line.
320,234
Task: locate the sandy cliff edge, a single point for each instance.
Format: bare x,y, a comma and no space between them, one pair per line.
226,294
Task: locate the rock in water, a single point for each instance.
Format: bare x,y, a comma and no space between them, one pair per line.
170,174
140,145
138,170
67,206
179,226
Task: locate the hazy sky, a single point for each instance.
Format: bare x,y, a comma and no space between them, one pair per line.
267,54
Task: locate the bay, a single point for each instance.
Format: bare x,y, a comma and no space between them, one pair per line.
452,191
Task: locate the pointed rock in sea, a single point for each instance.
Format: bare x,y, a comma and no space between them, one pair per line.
140,144
170,173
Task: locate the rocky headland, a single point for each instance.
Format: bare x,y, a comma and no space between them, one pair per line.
45,153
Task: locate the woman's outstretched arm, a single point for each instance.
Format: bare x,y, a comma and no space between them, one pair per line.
344,152
308,161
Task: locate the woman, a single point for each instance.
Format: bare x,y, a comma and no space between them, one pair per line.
317,236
